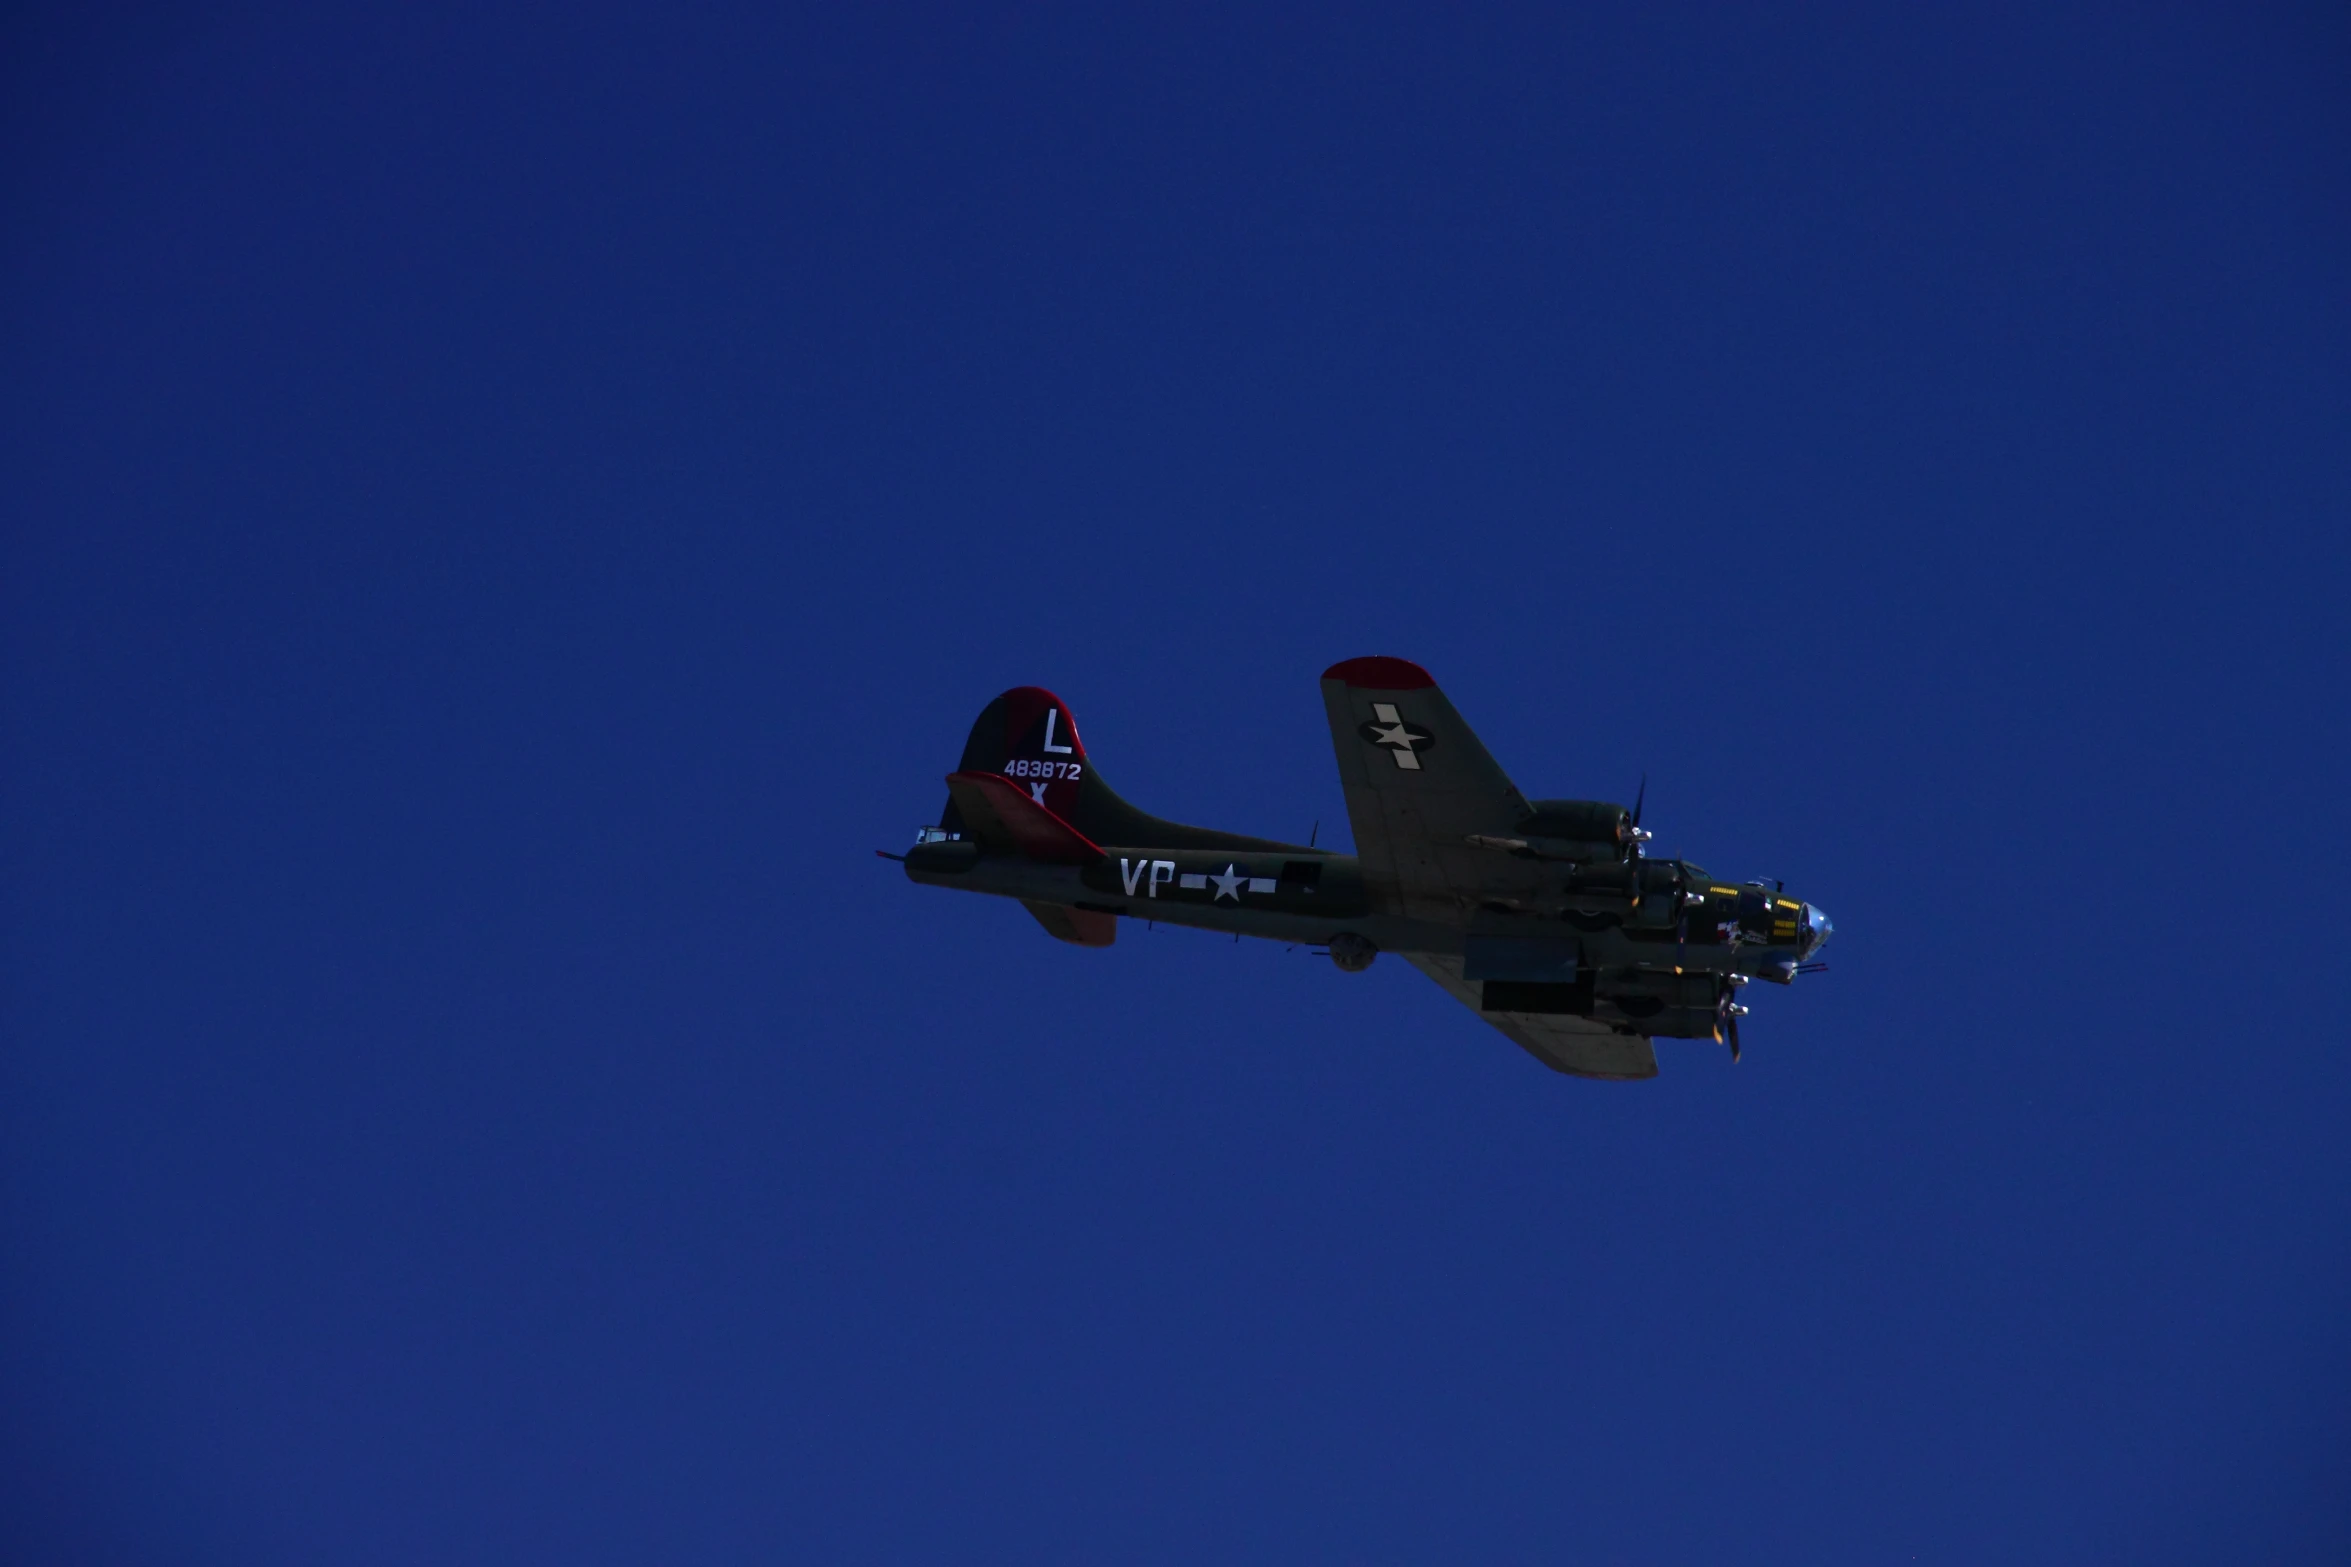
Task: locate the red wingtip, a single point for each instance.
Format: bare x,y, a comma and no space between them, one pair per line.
1380,674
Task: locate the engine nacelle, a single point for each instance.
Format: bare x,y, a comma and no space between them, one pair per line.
1675,1006
1578,821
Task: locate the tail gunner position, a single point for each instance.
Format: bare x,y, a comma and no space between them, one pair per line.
1542,915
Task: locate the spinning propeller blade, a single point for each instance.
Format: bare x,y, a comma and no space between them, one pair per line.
1727,1012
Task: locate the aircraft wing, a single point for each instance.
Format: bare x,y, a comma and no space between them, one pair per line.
1574,1045
1418,784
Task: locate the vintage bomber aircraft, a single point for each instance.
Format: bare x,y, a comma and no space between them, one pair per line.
1541,915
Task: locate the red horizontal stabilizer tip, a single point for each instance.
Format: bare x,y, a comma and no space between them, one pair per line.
1380,674
1009,809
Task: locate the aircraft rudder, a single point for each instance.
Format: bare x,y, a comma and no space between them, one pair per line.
1030,736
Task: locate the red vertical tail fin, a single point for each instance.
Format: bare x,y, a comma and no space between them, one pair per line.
1029,737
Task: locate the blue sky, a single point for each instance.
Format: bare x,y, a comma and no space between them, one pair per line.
509,507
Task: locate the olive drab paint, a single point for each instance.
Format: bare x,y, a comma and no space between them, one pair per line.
1545,916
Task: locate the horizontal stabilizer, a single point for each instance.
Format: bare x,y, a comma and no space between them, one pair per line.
1082,927
1002,815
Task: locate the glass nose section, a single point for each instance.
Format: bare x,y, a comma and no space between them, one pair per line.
1817,929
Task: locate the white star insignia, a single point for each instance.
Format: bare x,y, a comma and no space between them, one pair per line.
1228,885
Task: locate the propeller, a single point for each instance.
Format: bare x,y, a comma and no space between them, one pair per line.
1681,914
1727,1013
1682,899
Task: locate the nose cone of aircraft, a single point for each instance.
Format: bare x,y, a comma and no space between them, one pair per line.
1817,929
